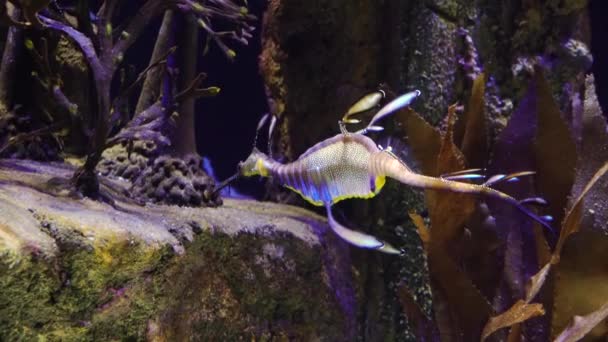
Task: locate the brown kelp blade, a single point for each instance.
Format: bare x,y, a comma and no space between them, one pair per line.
536,282
471,133
554,148
571,223
519,312
582,325
581,284
424,328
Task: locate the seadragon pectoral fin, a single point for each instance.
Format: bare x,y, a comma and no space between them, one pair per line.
364,104
359,239
393,106
534,201
469,174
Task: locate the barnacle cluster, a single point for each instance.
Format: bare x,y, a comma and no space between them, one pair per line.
160,178
127,161
179,181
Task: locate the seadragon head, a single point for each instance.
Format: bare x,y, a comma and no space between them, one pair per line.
256,164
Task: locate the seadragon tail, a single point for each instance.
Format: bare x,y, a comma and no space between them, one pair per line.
388,165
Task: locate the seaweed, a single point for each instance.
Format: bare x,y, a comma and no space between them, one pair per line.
537,281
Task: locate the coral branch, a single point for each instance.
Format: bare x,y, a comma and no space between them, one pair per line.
85,178
152,68
150,9
151,88
147,125
107,9
183,139
83,14
193,90
63,101
85,44
156,63
12,49
48,79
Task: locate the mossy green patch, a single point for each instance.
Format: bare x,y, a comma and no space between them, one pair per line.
26,297
247,286
95,274
57,299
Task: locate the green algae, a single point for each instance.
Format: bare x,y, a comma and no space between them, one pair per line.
55,299
25,300
223,287
237,287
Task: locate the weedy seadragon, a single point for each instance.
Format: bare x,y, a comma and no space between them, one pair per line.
352,165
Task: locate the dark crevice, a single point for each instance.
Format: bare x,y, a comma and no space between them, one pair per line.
599,50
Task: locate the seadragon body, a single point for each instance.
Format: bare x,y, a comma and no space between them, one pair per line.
352,165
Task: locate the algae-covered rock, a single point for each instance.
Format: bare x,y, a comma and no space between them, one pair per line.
81,270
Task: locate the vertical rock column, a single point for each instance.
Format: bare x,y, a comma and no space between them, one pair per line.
317,58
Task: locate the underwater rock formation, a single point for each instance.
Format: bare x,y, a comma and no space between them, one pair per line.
77,269
316,61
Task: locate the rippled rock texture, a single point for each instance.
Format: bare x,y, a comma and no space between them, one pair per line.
75,269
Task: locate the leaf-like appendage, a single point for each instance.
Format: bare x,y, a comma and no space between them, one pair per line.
474,144
423,230
519,312
468,307
581,284
424,140
536,282
593,153
513,152
555,150
573,217
448,211
424,328
450,158
581,326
